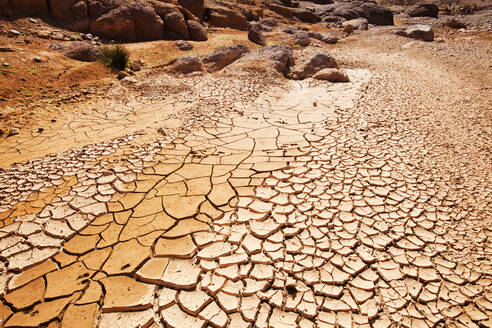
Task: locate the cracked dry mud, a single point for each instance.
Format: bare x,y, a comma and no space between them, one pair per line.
300,204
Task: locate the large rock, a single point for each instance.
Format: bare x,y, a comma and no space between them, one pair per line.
423,10
196,7
73,13
277,57
188,63
148,25
302,39
318,61
78,50
224,56
332,75
306,16
374,13
421,32
176,27
118,24
357,24
28,7
255,35
196,31
325,37
225,17
129,23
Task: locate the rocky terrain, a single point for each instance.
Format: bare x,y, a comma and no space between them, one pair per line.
259,164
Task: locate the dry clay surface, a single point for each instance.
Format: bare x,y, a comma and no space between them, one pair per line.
280,204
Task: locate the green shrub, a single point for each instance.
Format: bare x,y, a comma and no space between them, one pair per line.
115,57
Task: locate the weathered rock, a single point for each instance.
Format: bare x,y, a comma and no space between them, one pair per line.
318,61
224,56
225,17
196,31
374,13
184,45
196,7
332,75
136,65
268,21
348,29
423,10
280,56
255,35
358,23
421,32
305,15
115,25
29,7
302,39
176,27
188,63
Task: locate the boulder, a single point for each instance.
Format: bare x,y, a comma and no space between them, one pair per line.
329,38
305,15
268,21
225,17
318,61
224,56
188,63
276,58
374,13
357,24
78,50
282,10
196,7
332,75
196,31
302,39
73,13
423,10
183,45
421,32
324,37
176,27
163,8
118,24
148,25
256,36
348,29
29,7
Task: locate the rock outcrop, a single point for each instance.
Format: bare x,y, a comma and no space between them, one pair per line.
120,20
373,12
423,10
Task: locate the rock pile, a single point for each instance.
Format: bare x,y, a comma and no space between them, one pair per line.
131,20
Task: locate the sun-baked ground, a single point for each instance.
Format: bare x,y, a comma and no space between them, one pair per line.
267,203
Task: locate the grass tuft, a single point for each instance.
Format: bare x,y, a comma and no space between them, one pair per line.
115,57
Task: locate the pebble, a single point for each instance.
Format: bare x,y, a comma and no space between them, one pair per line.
12,132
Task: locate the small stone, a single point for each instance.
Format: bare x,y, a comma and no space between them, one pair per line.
14,33
37,59
122,75
332,75
11,131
